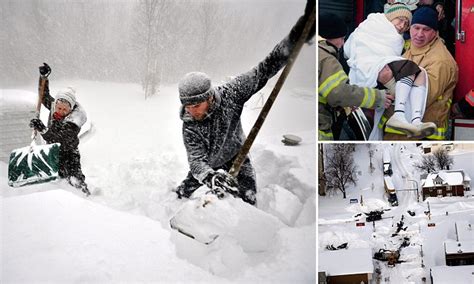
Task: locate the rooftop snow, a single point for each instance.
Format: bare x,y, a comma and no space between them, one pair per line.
453,274
465,231
346,261
452,246
13,99
448,177
388,182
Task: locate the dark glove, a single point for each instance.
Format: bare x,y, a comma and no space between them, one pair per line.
38,125
299,26
45,70
221,179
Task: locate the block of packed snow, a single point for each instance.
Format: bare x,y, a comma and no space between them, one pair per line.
207,218
280,202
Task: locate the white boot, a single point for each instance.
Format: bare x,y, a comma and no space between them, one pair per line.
398,120
417,95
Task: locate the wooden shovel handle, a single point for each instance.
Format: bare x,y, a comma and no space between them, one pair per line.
41,89
239,160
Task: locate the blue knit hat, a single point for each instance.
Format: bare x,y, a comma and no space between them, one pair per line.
426,16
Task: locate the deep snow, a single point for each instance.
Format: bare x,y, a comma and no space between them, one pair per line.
133,156
337,225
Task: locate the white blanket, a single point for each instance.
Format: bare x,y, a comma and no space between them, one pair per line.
373,44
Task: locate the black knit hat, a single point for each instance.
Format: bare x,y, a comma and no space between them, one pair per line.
426,16
331,26
194,88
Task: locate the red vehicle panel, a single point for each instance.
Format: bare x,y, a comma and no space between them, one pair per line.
464,47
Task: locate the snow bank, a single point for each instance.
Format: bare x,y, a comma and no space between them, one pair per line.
59,237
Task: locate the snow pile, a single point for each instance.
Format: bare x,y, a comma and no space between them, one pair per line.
55,236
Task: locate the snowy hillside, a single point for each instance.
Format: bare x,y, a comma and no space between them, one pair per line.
133,156
343,221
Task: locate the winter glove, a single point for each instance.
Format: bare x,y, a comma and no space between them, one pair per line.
299,26
45,70
221,179
38,125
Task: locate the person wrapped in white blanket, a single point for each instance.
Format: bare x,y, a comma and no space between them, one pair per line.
374,53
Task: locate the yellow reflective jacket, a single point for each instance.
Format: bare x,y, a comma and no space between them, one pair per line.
334,90
442,76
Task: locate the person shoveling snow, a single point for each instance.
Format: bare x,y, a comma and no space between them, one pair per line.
66,119
212,130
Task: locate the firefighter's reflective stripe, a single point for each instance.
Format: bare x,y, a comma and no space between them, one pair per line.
369,98
325,136
382,122
470,98
329,84
440,133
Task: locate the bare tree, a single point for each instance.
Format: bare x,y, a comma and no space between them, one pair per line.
151,37
427,164
443,160
340,168
321,174
371,155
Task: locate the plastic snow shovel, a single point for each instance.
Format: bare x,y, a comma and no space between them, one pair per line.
34,163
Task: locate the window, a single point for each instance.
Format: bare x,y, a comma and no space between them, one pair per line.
440,192
449,194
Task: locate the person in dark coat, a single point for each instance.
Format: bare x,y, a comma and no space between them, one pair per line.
212,130
65,122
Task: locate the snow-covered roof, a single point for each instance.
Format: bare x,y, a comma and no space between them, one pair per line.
388,182
455,177
13,99
453,274
452,246
346,261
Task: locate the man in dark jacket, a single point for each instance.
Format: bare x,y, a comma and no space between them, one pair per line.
212,131
65,122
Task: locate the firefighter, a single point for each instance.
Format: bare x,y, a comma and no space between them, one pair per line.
334,89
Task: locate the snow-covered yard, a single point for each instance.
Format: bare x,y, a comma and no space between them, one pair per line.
133,156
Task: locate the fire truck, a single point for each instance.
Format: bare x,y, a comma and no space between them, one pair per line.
462,11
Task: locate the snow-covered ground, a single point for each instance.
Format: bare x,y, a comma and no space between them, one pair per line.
337,225
133,156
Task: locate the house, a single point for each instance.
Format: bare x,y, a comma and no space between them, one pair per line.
346,266
452,274
433,147
461,250
446,183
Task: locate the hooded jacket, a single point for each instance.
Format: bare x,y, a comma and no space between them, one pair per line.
66,130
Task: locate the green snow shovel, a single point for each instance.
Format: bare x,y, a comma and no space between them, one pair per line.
34,163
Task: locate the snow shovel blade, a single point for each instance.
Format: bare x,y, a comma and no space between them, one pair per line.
175,226
33,164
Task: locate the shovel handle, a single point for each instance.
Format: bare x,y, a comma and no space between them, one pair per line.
239,160
41,89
